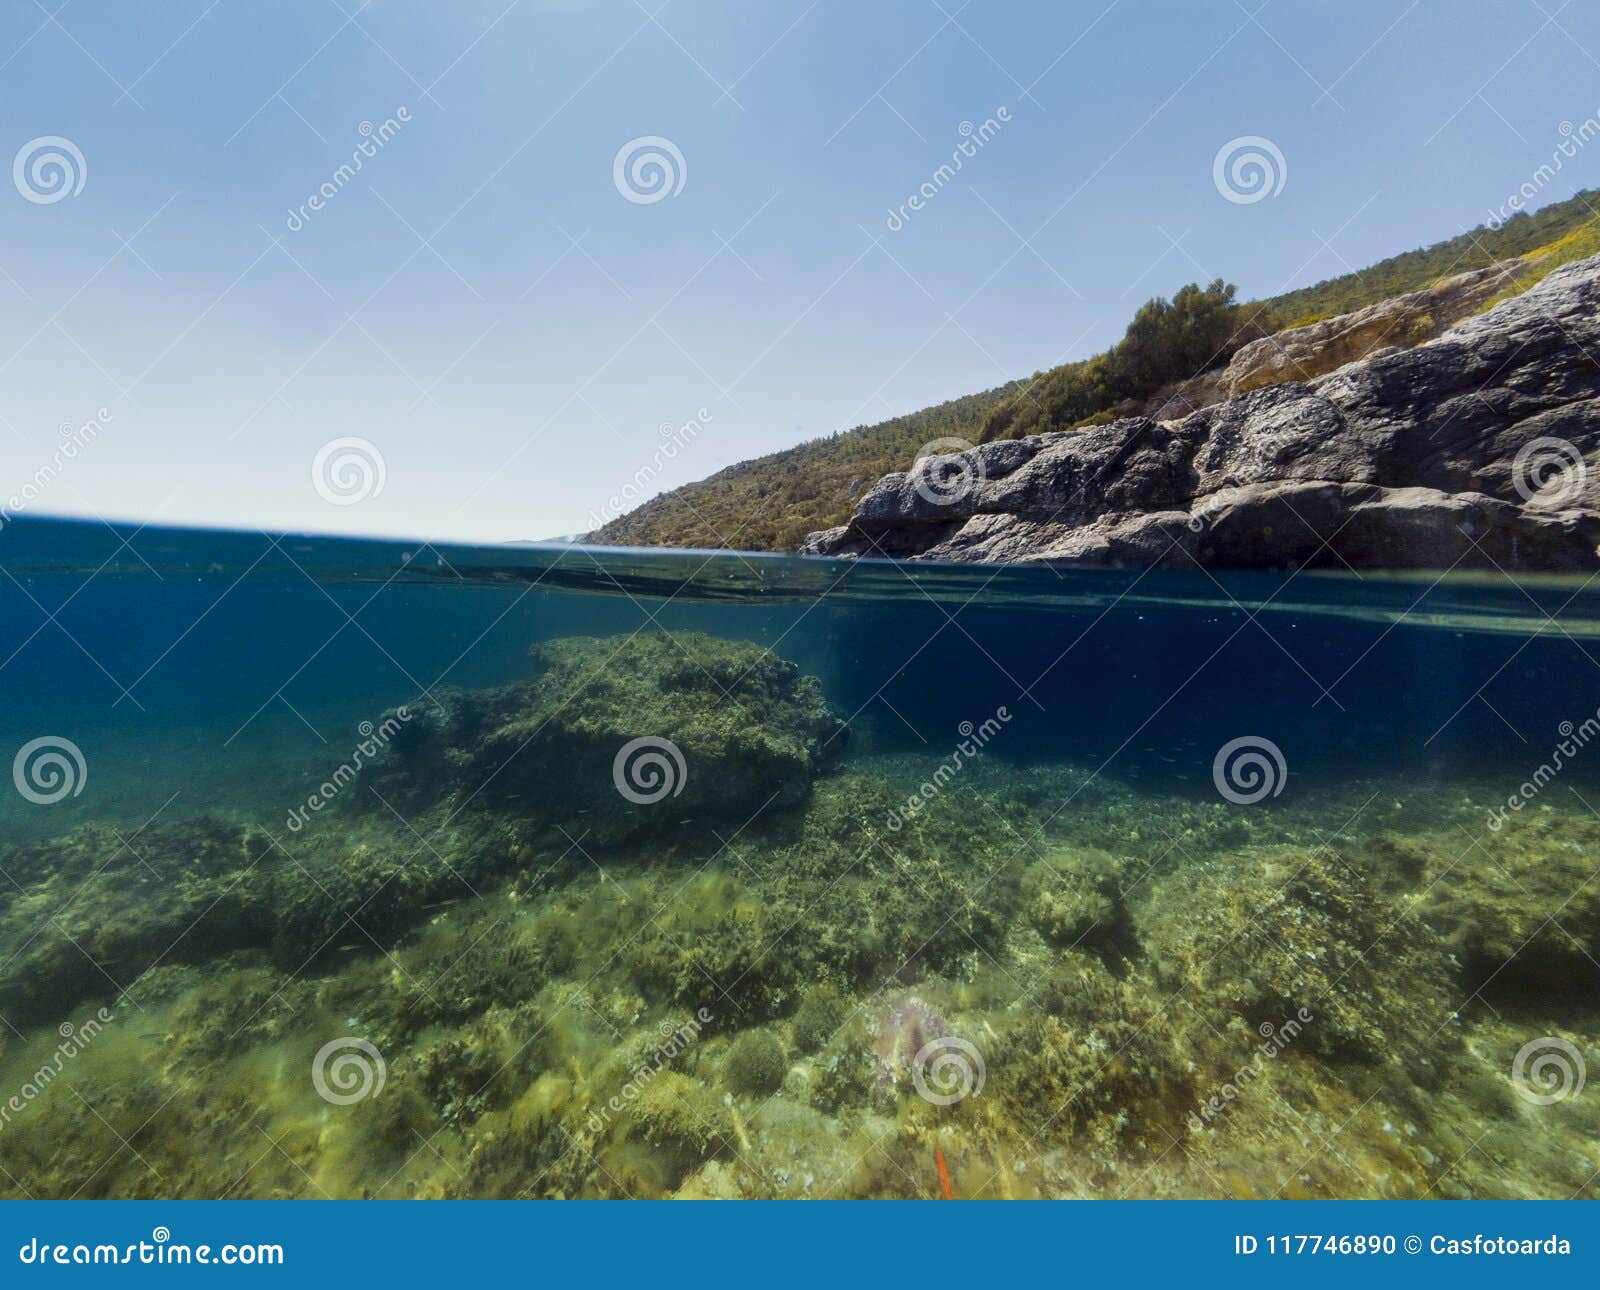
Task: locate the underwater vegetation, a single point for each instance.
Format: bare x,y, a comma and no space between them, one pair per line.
755,729
504,960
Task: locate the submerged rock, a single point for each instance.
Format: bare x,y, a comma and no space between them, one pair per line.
1465,452
619,735
1284,934
1524,915
1174,1008
755,1064
93,910
611,739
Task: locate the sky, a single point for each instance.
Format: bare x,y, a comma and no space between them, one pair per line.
583,230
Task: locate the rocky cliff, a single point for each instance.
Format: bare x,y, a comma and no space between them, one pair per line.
1303,353
1469,451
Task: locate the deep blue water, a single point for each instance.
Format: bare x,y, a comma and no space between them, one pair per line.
121,637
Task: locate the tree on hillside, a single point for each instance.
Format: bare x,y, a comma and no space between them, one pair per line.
1168,340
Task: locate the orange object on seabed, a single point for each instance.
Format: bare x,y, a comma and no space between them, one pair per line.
944,1173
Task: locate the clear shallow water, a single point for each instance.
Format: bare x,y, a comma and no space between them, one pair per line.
767,877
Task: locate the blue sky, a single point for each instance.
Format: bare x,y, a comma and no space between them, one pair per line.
483,306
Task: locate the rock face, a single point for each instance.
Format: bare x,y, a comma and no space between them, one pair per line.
1303,353
1466,452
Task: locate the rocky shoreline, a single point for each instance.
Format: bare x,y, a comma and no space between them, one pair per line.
1468,451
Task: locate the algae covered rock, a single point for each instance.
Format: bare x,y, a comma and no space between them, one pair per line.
822,1013
755,1064
724,942
1524,915
683,1118
1074,898
1098,1057
92,912
1263,933
620,735
89,912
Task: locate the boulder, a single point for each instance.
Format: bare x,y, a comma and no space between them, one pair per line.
618,735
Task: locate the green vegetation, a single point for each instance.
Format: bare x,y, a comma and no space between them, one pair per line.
770,503
1358,988
1529,235
1198,329
1201,329
1576,244
756,1064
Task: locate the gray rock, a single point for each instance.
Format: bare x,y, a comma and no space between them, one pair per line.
1408,459
1301,353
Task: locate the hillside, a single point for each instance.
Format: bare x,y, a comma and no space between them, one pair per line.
772,502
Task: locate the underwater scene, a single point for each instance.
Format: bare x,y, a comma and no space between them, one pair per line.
336,868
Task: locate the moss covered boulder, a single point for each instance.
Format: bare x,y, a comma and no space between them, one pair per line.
620,735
